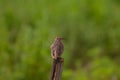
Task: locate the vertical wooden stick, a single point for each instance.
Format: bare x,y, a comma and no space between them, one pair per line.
57,66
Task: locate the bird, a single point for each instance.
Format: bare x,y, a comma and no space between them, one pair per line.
57,48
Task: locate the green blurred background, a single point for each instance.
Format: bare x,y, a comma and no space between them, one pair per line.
91,29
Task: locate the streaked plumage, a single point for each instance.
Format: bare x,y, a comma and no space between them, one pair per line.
57,48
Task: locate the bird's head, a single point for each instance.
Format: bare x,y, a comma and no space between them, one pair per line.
59,38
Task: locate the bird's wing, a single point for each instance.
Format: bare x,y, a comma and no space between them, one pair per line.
61,48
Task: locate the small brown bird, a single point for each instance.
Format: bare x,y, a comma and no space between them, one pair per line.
57,48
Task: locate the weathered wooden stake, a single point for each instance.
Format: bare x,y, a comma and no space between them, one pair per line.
57,66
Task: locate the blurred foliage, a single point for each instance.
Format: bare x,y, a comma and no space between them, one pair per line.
91,29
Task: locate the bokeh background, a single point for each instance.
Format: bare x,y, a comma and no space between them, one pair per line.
91,29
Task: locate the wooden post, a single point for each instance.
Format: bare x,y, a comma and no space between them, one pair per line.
57,66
